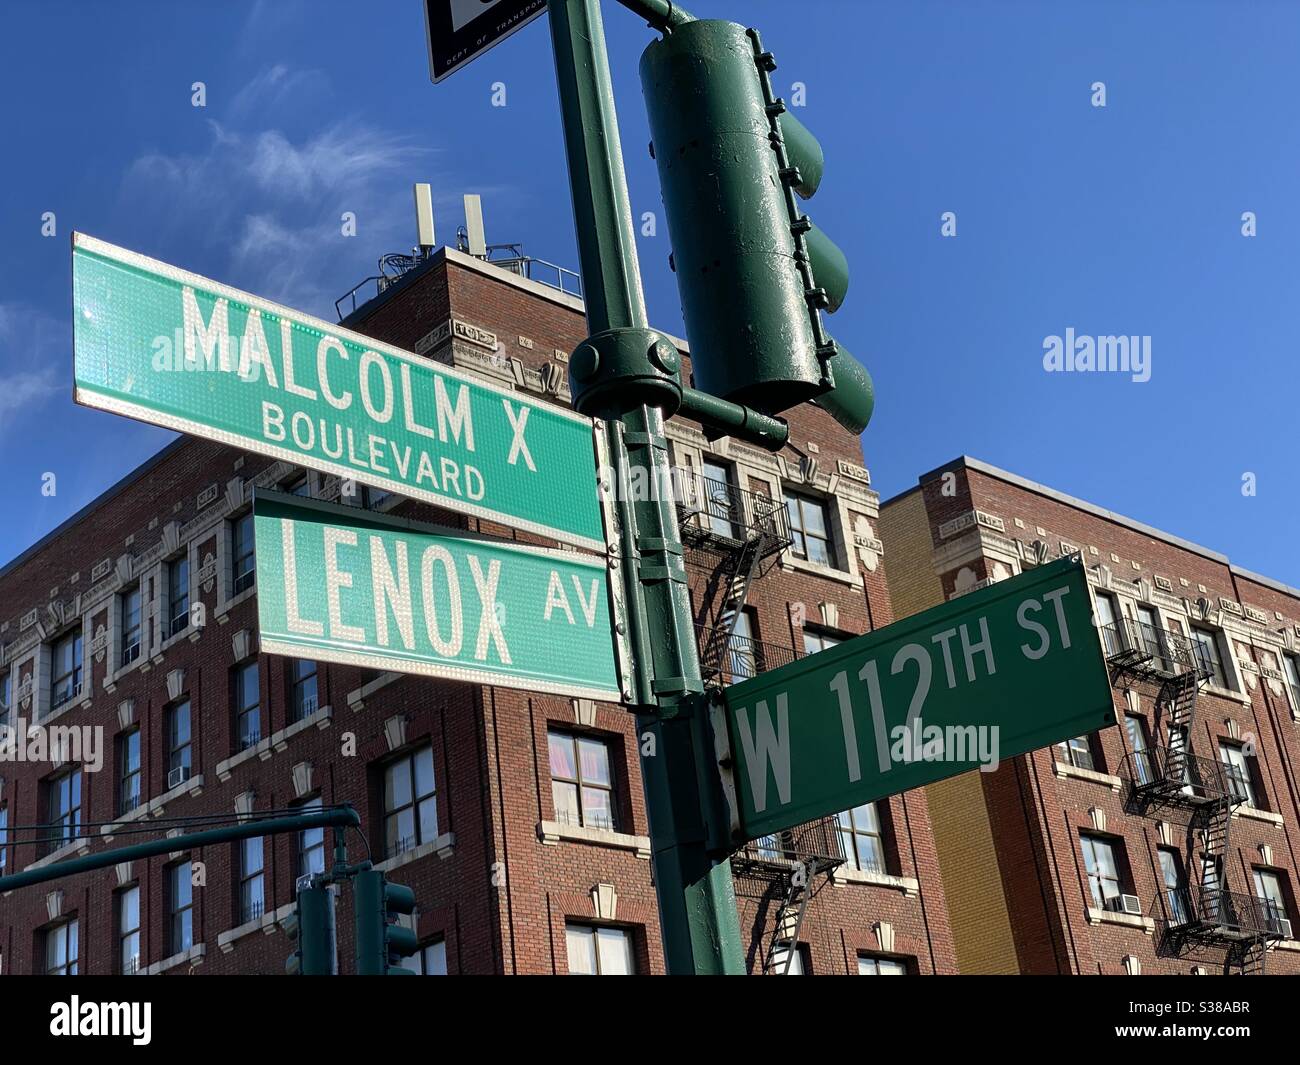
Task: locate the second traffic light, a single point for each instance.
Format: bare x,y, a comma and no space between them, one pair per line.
754,273
382,943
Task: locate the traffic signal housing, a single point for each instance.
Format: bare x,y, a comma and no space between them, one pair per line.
381,942
753,271
315,954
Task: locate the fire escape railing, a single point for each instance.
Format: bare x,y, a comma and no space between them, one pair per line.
1149,652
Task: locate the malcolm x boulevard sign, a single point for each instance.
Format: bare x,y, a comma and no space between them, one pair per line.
348,585
177,350
1001,671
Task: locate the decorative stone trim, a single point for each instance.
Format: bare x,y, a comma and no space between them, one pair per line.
266,924
846,874
395,732
1253,814
154,807
357,699
553,833
78,847
193,956
276,743
604,902
444,846
1064,769
1131,920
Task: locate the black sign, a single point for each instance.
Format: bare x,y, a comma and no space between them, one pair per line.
461,30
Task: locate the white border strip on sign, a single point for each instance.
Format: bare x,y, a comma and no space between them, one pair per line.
89,397
428,39
441,670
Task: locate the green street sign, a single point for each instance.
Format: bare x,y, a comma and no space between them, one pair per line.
174,349
345,585
1001,671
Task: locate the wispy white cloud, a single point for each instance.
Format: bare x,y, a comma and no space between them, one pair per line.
278,88
31,363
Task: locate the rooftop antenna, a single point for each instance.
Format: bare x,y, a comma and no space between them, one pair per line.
424,217
474,227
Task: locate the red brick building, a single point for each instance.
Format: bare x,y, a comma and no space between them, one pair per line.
517,818
1166,844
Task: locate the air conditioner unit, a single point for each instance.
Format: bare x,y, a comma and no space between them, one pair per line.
1130,904
178,776
1284,927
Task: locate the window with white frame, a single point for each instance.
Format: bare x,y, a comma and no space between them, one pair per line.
180,908
1135,729
128,930
791,962
582,787
252,880
1206,645
1269,891
63,809
1291,667
871,965
1175,886
130,629
1239,771
62,949
815,640
66,666
311,842
246,694
130,778
863,838
1108,615
302,688
410,802
810,529
1077,752
178,595
719,498
243,562
180,744
598,951
429,960
6,696
4,838
1102,865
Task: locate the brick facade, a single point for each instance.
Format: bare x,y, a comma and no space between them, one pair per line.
1010,842
499,875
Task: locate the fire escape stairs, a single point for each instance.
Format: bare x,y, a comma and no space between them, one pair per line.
784,938
735,575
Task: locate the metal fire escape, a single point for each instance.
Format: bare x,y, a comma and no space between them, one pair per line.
1172,781
735,536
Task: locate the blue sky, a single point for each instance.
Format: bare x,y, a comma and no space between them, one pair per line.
1117,220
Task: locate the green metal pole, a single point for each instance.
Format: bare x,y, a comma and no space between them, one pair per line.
632,372
341,817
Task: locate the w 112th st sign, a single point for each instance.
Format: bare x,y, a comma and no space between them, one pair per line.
1001,671
177,350
346,585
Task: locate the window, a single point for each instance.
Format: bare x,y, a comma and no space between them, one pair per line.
429,960
410,805
1175,885
179,745
863,838
180,908
1099,859
6,697
719,498
178,596
1152,635
1205,643
4,837
1268,889
1237,768
1180,755
130,621
1136,730
252,899
581,787
311,843
815,640
742,660
809,529
130,776
302,685
242,561
599,951
797,959
61,950
873,966
1290,663
67,669
128,930
1077,752
1112,637
63,809
247,704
